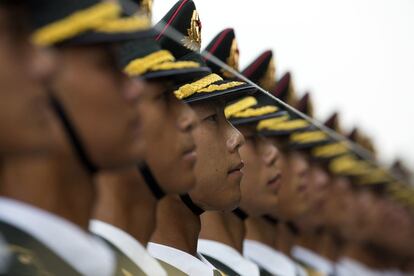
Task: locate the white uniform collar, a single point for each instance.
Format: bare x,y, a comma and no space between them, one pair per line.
84,252
182,260
128,246
228,256
315,260
268,258
348,266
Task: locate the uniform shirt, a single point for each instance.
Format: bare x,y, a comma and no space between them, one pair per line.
185,262
348,266
270,259
228,256
314,260
79,249
128,246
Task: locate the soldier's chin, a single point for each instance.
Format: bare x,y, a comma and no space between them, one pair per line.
229,202
181,184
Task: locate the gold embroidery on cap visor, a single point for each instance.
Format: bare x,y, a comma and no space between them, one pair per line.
220,87
204,85
125,24
402,192
308,137
157,61
193,40
268,123
289,125
102,17
75,23
189,89
349,165
331,150
238,106
254,112
375,176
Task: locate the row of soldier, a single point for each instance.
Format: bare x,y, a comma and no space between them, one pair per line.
127,151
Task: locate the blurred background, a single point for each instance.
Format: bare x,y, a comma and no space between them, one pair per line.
354,56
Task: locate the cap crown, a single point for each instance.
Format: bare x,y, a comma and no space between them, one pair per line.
285,90
182,17
305,105
262,71
224,47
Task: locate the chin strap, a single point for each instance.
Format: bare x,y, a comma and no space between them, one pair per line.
271,220
73,136
191,205
292,228
150,180
242,215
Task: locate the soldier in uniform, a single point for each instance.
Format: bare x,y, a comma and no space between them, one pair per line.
324,219
325,202
311,234
371,247
126,208
218,166
23,71
260,185
294,169
328,235
95,104
222,233
261,227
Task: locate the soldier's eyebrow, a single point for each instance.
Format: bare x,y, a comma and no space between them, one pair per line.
16,28
169,87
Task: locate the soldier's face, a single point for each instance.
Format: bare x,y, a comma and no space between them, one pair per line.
101,104
366,218
316,194
295,178
339,209
387,224
218,167
261,174
394,227
25,115
170,149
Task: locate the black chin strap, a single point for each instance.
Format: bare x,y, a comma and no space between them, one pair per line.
150,180
72,135
292,228
242,215
271,220
191,205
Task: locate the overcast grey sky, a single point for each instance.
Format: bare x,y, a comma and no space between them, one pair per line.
355,56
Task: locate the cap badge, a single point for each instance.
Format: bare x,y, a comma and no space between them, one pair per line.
233,59
146,6
269,78
193,40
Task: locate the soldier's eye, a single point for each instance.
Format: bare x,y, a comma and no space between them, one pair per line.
160,96
212,118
